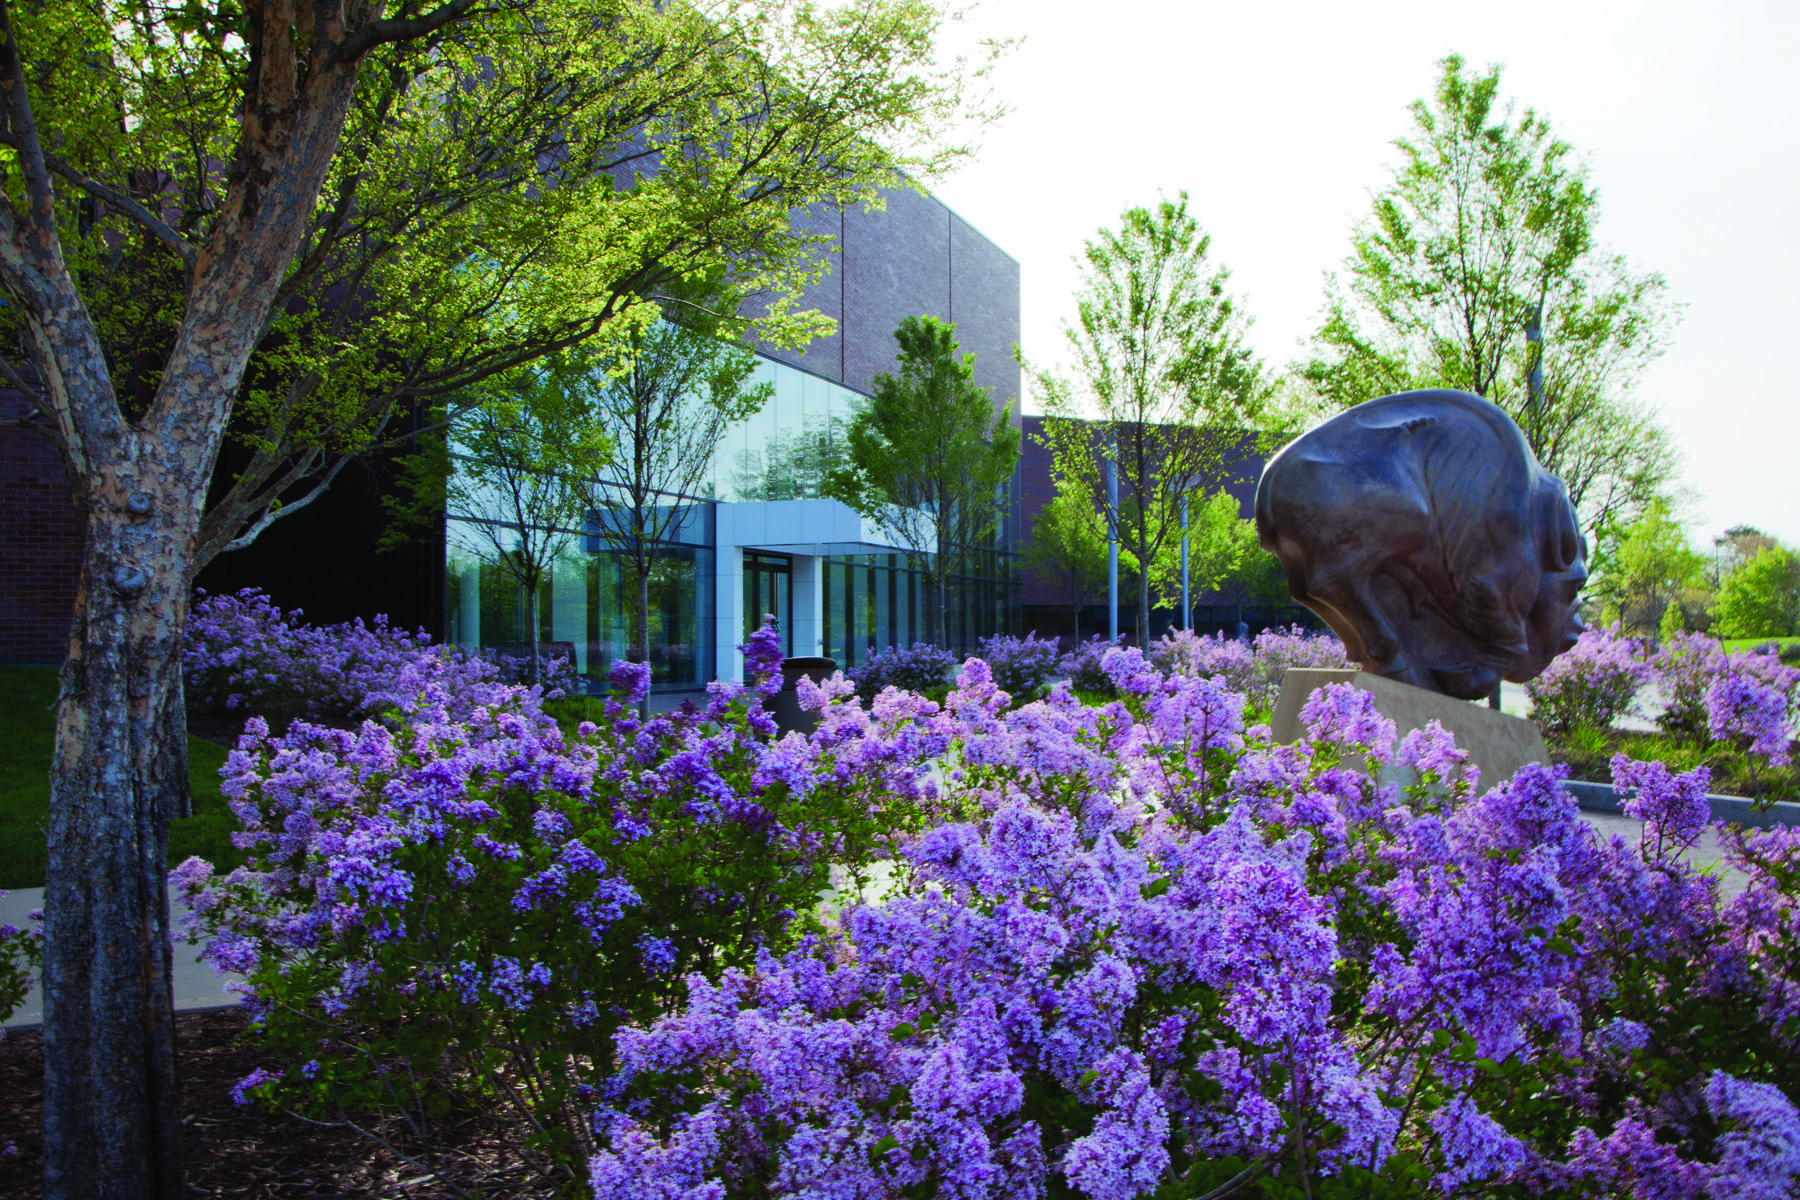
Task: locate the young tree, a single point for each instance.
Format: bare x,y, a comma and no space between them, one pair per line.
1762,597
1170,392
1641,568
930,457
1256,576
1488,220
187,185
516,468
1067,549
664,400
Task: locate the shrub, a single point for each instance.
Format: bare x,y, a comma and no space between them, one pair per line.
1690,667
477,905
1204,656
1021,666
1129,949
1593,683
1683,669
1083,666
918,668
1071,993
1278,649
243,654
21,953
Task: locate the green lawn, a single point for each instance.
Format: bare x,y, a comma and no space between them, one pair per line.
1752,643
27,731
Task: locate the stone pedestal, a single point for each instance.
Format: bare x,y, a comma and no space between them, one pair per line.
1497,742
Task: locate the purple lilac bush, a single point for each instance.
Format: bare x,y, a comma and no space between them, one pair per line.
467,895
1253,669
244,654
1130,949
21,953
920,667
1083,665
1021,666
1204,656
1591,685
1162,953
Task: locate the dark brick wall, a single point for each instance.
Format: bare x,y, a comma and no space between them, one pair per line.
915,257
1037,488
40,543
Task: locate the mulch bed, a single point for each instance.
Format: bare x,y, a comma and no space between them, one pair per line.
248,1153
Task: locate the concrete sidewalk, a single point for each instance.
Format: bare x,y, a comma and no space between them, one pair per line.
197,985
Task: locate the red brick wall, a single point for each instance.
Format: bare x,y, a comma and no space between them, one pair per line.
40,543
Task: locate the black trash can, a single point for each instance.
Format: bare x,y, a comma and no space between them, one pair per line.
784,705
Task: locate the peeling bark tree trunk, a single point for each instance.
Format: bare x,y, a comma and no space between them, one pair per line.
111,1106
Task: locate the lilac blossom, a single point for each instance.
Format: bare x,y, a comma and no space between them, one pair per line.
1751,714
1592,684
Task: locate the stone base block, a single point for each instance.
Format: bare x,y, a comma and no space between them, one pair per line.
1497,742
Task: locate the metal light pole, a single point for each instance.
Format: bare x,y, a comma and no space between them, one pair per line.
1112,550
1534,404
1534,377
1186,609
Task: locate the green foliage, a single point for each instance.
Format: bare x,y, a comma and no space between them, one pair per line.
930,456
1761,599
1169,390
710,893
27,740
1488,218
1640,569
521,181
1066,549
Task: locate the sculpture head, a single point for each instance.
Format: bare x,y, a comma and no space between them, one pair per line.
1424,531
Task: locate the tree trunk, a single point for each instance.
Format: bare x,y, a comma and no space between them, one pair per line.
532,616
1143,604
111,1105
640,645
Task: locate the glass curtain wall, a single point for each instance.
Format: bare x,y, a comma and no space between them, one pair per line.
873,601
587,608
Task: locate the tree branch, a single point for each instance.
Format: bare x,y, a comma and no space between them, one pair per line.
381,33
163,231
273,512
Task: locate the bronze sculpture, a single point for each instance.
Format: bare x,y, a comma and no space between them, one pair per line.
1425,533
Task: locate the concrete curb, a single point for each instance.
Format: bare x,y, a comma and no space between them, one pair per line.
1600,797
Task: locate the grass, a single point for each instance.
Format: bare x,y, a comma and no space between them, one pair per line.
1753,643
1589,752
27,735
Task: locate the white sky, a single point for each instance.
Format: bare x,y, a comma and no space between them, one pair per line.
1278,117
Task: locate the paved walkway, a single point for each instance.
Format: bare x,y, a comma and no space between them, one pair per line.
198,987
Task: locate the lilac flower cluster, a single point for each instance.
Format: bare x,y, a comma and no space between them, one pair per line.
243,654
1021,666
1752,715
1592,684
466,877
1252,669
920,667
1205,656
1691,666
21,951
1153,937
1127,947
1082,665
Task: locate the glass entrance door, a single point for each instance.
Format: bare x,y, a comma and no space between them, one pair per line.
768,592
